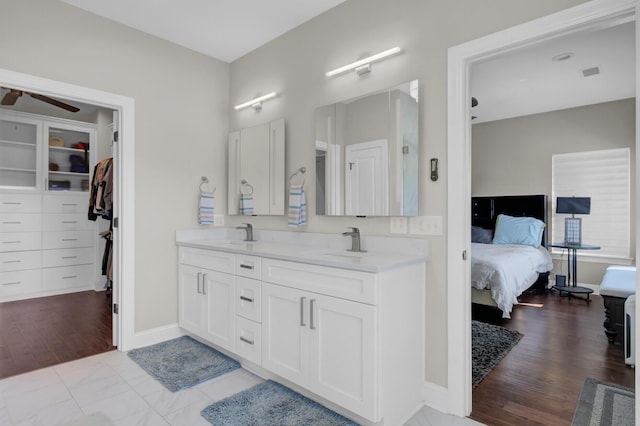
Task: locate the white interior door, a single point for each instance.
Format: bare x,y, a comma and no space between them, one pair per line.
367,179
115,236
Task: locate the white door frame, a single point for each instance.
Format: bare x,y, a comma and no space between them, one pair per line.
124,249
589,15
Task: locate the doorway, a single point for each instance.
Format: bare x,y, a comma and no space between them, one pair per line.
584,17
124,208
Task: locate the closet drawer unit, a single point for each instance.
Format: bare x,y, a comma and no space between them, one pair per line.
19,260
20,203
20,282
67,257
68,239
248,266
249,340
20,241
343,283
67,222
208,259
68,277
249,298
65,204
20,222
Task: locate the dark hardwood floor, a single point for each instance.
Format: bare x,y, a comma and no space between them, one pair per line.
539,381
40,332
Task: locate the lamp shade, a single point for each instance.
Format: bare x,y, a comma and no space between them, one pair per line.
573,205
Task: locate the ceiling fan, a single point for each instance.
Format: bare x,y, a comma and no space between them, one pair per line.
12,96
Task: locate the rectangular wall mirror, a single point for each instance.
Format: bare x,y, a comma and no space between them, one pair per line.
367,154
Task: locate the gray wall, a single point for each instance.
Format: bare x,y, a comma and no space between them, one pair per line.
513,157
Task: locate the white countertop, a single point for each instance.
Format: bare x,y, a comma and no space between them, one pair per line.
384,253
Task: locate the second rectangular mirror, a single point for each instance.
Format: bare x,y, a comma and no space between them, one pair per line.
367,154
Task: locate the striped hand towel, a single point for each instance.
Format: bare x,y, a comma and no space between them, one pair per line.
246,204
205,211
297,206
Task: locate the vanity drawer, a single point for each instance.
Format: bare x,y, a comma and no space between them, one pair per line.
65,203
19,260
209,259
249,298
19,282
344,283
68,277
68,239
67,222
249,343
20,203
20,241
248,266
20,222
67,257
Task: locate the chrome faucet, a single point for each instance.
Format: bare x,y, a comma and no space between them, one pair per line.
355,240
249,230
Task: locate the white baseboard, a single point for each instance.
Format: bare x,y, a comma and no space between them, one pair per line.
436,397
156,335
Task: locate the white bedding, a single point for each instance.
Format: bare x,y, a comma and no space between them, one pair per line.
507,270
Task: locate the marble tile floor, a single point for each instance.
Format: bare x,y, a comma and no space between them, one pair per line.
110,389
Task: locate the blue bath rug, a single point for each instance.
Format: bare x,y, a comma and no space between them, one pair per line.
269,404
183,362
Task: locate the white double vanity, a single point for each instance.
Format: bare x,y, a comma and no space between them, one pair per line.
344,328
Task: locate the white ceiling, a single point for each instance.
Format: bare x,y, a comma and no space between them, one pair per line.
528,81
222,29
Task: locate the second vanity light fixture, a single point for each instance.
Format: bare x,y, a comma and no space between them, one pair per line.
256,103
363,66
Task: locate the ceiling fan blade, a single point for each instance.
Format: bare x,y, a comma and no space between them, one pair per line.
11,97
54,102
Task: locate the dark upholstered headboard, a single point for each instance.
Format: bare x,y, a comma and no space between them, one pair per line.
485,210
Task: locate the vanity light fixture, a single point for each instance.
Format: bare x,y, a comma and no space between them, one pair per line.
256,103
363,66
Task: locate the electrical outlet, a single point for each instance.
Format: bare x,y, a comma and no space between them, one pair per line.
218,220
417,225
398,225
425,225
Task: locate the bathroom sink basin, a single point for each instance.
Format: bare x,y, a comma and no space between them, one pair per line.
343,254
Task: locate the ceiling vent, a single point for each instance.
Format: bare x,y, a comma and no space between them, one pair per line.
588,72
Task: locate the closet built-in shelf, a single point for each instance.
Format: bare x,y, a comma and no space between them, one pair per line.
14,169
65,149
59,173
25,144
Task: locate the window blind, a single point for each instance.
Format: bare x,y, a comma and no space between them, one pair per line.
604,176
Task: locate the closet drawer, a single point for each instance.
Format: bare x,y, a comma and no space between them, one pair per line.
65,203
20,241
67,257
20,222
20,282
248,266
208,259
68,277
344,283
249,298
67,222
19,260
249,340
68,239
20,203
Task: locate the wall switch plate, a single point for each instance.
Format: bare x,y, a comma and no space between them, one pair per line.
218,220
398,225
425,225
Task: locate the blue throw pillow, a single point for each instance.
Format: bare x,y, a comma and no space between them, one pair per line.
481,235
518,230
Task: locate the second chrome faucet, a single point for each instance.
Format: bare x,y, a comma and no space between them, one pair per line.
249,230
355,240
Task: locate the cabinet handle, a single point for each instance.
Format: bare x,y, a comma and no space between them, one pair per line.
244,339
69,204
11,203
311,303
69,221
204,283
246,299
242,265
11,223
68,277
12,283
199,277
12,242
69,239
69,257
12,261
302,324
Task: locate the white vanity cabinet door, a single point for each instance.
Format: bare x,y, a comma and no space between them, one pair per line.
285,333
220,320
192,304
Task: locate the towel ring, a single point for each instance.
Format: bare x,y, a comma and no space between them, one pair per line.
205,180
246,184
301,171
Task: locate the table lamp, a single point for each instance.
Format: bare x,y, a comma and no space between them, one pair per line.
573,225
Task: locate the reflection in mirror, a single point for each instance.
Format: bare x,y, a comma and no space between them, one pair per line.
367,154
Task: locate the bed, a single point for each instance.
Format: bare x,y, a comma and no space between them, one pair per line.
519,260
